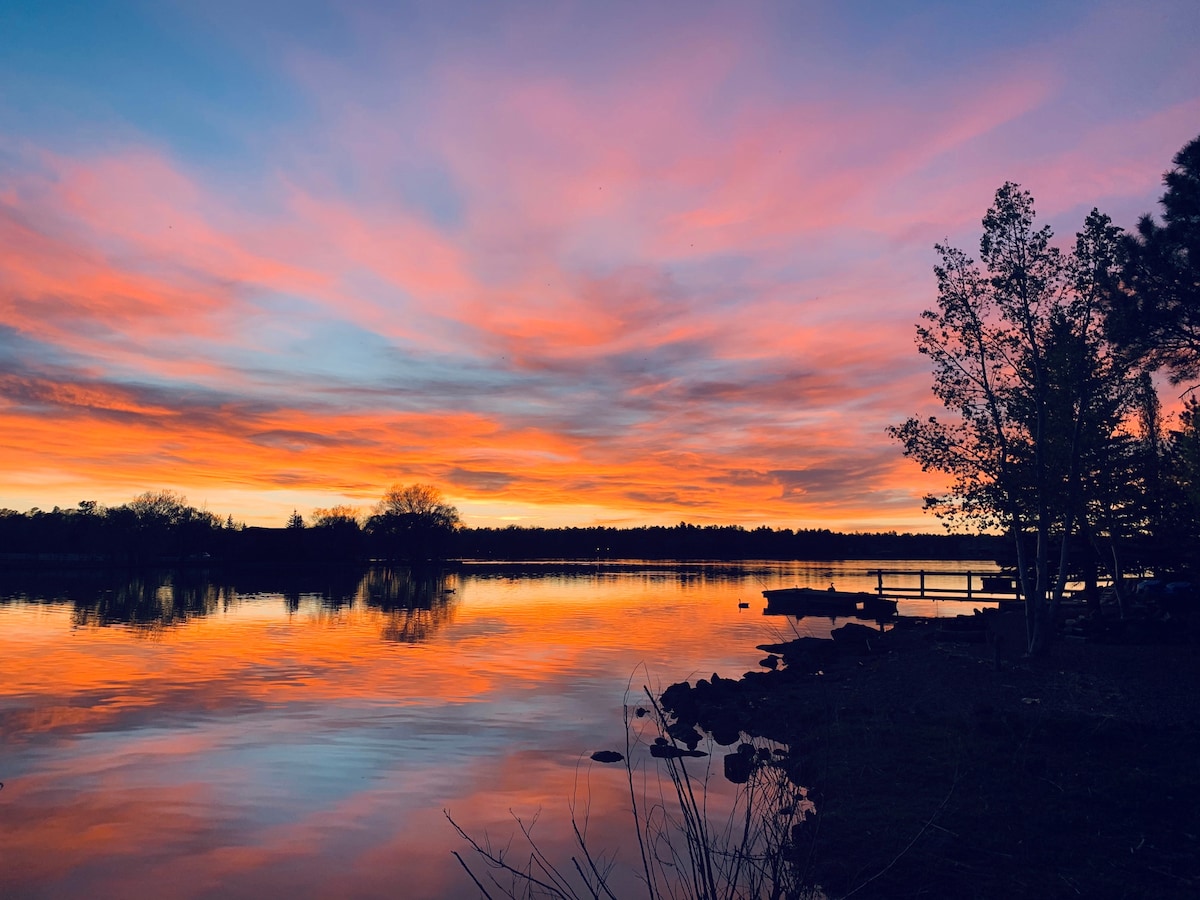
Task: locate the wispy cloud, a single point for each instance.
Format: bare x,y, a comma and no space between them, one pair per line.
577,265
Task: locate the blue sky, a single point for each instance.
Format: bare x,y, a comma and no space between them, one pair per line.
572,263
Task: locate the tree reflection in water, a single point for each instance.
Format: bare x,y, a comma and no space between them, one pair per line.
413,603
149,601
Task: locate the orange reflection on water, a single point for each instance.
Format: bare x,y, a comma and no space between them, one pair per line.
268,744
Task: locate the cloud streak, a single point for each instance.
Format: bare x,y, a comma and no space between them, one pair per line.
576,267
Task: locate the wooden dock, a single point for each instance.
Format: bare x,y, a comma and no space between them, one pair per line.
970,586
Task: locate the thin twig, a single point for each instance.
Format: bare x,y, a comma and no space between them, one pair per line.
651,885
471,874
496,861
601,877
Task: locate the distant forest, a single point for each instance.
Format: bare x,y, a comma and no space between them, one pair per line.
161,529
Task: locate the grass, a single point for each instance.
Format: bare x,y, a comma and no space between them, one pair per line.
936,771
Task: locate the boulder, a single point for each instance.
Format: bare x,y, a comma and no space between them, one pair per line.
855,637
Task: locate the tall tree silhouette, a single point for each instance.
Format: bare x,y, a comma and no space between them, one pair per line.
1154,307
413,523
1034,395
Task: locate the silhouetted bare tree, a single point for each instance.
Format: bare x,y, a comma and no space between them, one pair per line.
335,517
413,522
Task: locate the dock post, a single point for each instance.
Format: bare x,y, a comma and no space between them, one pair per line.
879,581
922,584
968,587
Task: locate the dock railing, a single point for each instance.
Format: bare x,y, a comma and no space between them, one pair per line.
990,585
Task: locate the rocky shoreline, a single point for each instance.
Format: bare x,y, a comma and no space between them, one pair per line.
945,763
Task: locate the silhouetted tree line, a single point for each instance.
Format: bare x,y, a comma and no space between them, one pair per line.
414,525
1044,359
154,526
411,524
715,542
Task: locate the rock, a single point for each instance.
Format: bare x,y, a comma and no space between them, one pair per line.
680,699
771,662
607,756
774,648
738,767
725,730
854,636
684,733
668,751
808,654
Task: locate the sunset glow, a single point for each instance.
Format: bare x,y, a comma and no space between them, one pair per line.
576,264
251,748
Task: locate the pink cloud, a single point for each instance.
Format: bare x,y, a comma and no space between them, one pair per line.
675,262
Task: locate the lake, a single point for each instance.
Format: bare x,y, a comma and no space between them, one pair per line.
301,735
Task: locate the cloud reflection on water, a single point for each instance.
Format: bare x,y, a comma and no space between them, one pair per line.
268,747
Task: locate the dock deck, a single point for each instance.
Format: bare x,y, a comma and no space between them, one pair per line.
990,586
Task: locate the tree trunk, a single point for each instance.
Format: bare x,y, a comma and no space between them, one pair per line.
1039,637
1118,573
1064,560
1091,586
1028,590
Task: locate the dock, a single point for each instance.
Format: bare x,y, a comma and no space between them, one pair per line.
968,587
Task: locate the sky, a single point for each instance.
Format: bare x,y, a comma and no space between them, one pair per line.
572,263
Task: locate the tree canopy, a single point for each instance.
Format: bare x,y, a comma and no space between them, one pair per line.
1033,393
1154,304
413,522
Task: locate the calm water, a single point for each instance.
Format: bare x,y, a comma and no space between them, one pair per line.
194,739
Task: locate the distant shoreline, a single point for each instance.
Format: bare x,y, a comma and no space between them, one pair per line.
531,565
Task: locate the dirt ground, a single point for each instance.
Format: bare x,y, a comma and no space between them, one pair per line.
942,766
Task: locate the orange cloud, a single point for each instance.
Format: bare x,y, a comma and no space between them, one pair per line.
681,286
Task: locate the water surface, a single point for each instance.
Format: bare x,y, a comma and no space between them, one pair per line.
301,735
